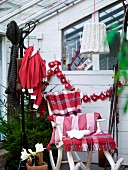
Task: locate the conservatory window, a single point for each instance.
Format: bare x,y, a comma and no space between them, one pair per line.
71,45
109,16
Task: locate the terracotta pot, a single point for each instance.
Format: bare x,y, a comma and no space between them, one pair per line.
41,167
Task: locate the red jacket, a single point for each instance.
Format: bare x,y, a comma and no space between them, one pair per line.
32,72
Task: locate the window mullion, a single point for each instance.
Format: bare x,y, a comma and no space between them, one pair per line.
95,57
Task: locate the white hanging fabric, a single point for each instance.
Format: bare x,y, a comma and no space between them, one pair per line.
94,39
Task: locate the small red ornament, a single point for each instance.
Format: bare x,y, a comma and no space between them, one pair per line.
60,74
102,96
108,93
94,97
51,64
56,62
50,72
68,85
57,70
86,99
63,80
73,89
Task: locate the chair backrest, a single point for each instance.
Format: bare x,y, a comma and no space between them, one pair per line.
65,108
64,103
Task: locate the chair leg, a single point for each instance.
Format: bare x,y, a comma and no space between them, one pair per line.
59,159
76,156
52,160
88,164
114,166
71,162
89,160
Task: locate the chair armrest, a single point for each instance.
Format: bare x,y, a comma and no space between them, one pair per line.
98,125
100,120
60,135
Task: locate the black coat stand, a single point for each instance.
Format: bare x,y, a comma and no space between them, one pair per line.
29,27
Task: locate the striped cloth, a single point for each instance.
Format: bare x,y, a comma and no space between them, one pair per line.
90,143
79,122
64,103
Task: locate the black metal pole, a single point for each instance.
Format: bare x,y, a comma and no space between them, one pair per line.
23,143
22,47
23,137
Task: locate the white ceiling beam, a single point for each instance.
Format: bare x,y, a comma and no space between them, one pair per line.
20,9
3,2
41,12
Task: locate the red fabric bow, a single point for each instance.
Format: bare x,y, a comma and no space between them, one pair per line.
50,118
48,147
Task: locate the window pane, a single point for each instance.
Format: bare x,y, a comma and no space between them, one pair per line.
0,64
71,45
109,16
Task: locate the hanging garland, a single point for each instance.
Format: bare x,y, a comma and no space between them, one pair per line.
55,70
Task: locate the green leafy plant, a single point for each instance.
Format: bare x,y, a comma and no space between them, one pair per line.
38,130
122,60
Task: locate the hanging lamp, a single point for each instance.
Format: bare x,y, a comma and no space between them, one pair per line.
94,38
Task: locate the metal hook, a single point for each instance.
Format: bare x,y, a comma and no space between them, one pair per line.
26,32
30,27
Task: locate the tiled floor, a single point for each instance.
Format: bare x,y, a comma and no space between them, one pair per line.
95,167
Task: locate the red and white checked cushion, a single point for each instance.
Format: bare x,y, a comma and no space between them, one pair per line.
64,102
79,122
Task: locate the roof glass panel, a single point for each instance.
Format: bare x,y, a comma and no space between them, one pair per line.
23,11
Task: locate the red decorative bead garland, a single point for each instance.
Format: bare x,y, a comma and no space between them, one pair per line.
54,69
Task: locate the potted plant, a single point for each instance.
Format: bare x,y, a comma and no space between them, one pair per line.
38,130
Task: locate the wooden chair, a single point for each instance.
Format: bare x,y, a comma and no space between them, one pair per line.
67,121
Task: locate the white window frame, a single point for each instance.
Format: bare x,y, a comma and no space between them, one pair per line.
95,57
